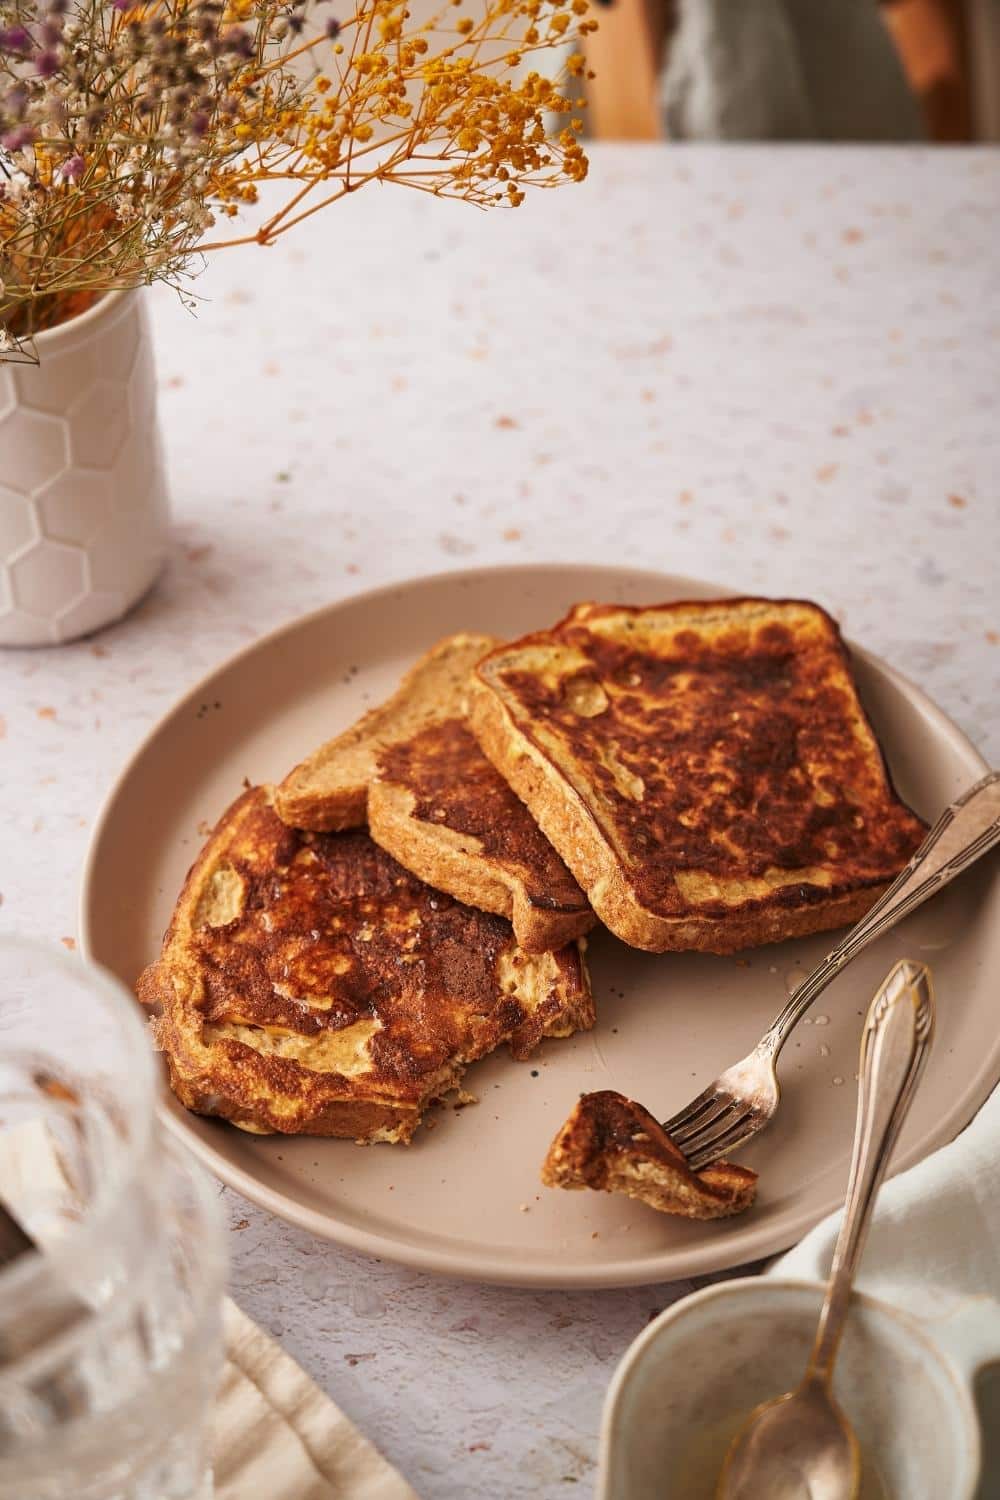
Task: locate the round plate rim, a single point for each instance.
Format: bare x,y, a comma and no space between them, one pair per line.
671,1265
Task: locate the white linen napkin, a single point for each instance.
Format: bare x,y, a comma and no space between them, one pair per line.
937,1225
934,1241
276,1434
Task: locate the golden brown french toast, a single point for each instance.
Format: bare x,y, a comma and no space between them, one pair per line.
329,790
440,808
415,773
309,984
614,1145
706,770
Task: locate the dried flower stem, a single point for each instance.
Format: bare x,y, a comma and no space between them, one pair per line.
129,129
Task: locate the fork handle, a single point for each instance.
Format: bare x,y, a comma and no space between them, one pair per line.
894,1047
964,832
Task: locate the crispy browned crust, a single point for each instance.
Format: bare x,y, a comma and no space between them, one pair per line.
348,1119
705,770
308,984
614,1145
440,808
413,771
328,791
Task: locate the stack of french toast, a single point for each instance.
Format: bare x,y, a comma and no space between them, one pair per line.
417,891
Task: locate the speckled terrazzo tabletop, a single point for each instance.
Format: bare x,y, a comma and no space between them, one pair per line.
774,368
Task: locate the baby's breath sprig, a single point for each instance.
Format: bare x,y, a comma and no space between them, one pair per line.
132,130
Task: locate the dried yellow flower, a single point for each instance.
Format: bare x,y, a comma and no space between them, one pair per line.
183,108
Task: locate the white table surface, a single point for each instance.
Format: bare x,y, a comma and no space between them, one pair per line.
775,368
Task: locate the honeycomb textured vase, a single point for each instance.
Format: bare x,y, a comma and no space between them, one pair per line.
83,498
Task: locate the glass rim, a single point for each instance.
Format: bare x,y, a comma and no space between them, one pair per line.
26,1271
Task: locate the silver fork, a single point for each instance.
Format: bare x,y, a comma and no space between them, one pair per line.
745,1098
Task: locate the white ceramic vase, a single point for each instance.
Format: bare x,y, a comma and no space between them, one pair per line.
83,497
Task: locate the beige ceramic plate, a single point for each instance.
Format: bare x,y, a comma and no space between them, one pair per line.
465,1197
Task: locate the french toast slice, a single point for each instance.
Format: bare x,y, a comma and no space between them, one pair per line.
310,985
439,807
328,791
706,769
614,1145
413,771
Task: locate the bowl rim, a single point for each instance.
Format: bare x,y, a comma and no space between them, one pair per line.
969,1440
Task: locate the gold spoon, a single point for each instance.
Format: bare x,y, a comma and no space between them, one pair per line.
801,1446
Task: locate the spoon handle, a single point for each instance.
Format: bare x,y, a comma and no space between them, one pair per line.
894,1046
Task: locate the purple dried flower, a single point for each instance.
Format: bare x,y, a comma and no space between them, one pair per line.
239,41
199,123
16,140
332,28
72,169
15,39
15,102
47,63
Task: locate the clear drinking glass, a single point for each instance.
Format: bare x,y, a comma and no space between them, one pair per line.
110,1324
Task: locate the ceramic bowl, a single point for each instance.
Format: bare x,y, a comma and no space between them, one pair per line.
906,1385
